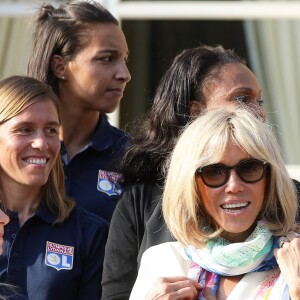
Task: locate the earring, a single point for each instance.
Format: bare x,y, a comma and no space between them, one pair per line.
63,77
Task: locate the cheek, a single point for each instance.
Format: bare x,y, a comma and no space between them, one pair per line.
262,195
211,203
54,146
258,194
10,150
209,199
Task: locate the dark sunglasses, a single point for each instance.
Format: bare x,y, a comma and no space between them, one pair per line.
249,170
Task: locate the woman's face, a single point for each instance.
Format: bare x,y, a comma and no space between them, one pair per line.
97,76
231,85
29,146
4,219
235,205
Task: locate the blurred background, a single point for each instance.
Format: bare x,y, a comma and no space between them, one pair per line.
265,33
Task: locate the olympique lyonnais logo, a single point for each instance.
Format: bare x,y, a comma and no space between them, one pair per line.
59,256
109,182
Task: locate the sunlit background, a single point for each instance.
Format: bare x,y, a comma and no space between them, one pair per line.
266,33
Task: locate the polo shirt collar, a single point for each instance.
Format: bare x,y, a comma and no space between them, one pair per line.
102,137
44,214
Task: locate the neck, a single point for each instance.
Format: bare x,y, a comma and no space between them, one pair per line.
21,199
78,121
76,130
238,237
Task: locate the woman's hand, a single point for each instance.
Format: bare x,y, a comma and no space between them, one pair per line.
288,259
171,288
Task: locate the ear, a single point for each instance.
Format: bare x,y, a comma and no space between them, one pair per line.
58,66
196,107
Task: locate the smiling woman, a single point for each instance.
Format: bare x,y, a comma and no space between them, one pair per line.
30,144
227,199
46,232
199,78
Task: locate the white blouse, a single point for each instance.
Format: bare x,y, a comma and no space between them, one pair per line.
169,259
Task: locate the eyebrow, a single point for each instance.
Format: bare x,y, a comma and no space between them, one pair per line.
244,88
53,123
111,51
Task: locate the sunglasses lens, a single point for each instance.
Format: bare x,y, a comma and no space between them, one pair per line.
251,170
214,175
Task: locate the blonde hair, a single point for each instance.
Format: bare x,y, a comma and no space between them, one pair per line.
17,93
203,142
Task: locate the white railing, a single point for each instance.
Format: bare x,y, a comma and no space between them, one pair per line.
213,10
179,10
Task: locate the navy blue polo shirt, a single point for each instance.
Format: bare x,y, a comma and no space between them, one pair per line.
54,261
92,176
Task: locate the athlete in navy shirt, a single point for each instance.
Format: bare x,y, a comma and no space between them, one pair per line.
80,50
54,261
51,249
91,175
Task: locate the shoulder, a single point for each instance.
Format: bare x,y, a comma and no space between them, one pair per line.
87,220
168,259
169,249
164,260
91,232
107,136
297,185
120,135
143,197
147,190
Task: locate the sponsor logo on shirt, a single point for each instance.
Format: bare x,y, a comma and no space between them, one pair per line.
59,256
109,182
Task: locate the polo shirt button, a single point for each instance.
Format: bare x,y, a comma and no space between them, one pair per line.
15,255
13,236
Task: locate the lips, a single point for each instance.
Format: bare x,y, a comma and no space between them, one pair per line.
235,205
118,90
36,161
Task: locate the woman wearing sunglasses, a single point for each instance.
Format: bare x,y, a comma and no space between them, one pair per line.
228,200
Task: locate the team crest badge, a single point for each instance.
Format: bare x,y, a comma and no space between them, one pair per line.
59,256
109,182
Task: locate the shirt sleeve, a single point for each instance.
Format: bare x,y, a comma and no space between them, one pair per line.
95,232
120,263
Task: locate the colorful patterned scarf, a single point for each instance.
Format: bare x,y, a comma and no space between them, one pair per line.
221,258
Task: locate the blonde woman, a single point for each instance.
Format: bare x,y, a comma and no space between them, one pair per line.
51,249
228,200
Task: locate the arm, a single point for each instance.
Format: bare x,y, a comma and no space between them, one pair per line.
128,239
120,263
172,288
162,275
94,237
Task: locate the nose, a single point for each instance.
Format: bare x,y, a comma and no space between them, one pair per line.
123,72
234,183
4,219
39,141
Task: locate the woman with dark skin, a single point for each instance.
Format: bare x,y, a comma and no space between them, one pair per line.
199,78
80,50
